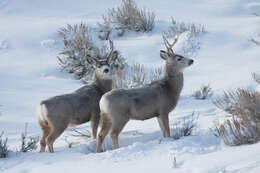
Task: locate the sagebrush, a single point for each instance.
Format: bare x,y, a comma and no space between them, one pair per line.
127,16
177,28
244,107
189,33
203,93
256,77
77,44
185,127
137,75
28,143
78,48
3,146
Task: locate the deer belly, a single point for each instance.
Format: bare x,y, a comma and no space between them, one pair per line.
143,112
80,119
143,116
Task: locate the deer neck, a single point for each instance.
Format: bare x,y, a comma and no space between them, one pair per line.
104,84
174,79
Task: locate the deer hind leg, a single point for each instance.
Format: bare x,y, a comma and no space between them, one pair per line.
94,124
54,134
163,121
117,127
45,130
105,127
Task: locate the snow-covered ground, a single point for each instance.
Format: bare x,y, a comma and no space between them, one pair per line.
29,72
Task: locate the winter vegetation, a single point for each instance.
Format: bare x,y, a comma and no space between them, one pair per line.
126,17
255,41
3,146
185,127
222,37
203,93
256,77
177,28
137,75
28,143
244,108
190,32
78,44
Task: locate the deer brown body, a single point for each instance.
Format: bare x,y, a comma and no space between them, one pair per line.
57,113
153,100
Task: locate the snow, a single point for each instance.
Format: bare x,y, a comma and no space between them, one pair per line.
29,73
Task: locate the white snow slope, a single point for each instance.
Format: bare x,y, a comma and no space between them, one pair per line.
29,72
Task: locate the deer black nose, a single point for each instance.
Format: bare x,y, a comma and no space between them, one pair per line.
191,62
106,71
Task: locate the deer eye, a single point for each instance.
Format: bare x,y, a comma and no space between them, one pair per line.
106,70
179,59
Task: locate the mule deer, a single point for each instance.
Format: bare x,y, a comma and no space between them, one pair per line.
57,113
153,100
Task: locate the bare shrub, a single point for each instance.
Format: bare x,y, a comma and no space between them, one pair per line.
256,77
136,76
28,143
126,17
234,132
177,28
255,41
78,45
186,127
69,143
78,133
203,93
256,13
244,107
75,132
3,146
189,32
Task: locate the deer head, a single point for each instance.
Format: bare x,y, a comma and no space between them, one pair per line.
102,65
174,61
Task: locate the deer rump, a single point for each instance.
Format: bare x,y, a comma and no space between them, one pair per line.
80,105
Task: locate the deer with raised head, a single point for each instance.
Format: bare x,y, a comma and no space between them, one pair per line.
57,113
156,99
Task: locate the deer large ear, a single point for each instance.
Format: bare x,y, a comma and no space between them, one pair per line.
163,54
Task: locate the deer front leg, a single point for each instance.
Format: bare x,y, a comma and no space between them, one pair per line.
105,127
163,121
94,124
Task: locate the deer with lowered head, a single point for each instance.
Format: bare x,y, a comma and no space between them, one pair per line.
57,113
156,99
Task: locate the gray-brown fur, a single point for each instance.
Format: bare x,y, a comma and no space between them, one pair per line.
57,113
153,100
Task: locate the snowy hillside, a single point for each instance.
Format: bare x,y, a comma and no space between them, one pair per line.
29,73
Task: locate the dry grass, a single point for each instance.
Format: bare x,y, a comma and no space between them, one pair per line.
28,143
186,127
234,132
136,76
189,32
203,93
255,41
127,16
177,28
244,107
256,77
75,132
3,146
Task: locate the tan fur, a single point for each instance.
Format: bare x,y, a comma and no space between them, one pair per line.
57,113
153,100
